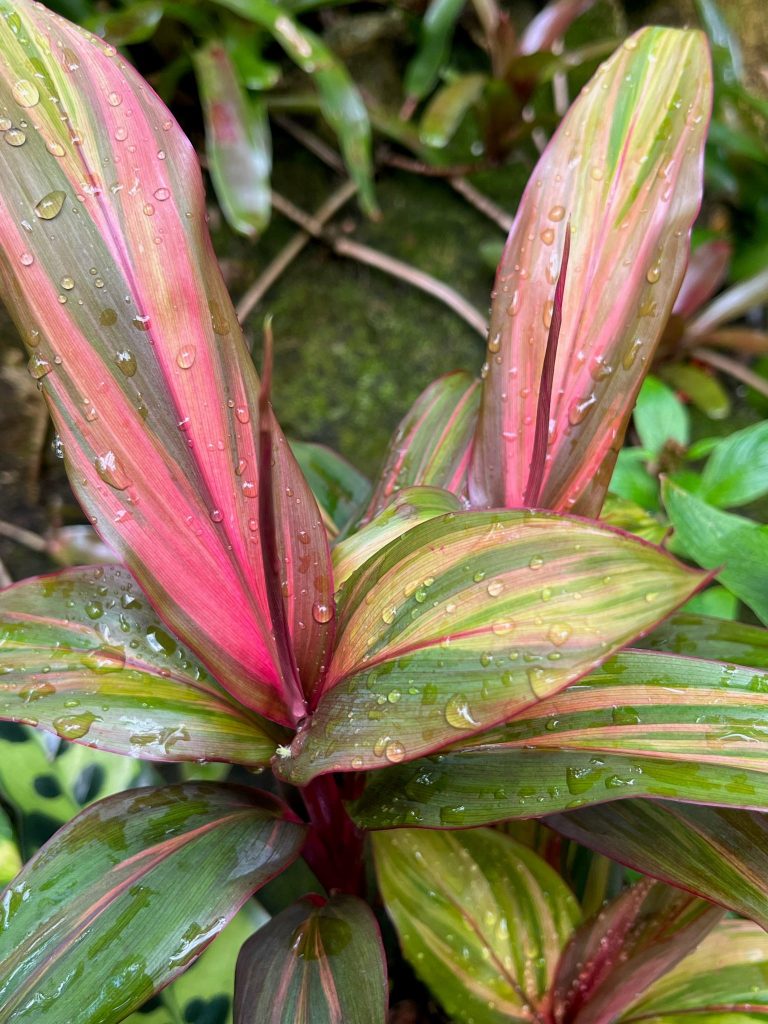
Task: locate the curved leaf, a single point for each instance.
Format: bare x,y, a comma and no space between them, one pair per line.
481,918
432,443
551,24
318,962
733,303
705,274
143,881
468,619
447,108
436,28
339,489
109,273
687,633
10,859
660,417
624,171
641,725
737,470
84,656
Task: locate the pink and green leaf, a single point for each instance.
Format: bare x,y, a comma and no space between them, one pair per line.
467,620
108,270
165,870
432,444
84,656
481,918
551,24
617,955
716,639
237,142
624,170
318,962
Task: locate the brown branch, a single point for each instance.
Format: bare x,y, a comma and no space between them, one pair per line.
733,368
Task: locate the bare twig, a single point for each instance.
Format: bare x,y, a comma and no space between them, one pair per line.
481,202
5,577
311,142
30,540
733,368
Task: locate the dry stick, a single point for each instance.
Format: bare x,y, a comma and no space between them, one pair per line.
388,264
311,142
5,577
30,540
481,202
733,368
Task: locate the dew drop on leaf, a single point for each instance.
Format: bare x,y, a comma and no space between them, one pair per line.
50,205
394,752
161,194
322,612
536,562
111,471
25,93
107,317
114,99
38,366
5,124
557,213
55,148
185,357
27,259
458,714
15,137
74,727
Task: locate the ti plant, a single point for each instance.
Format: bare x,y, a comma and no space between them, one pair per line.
464,654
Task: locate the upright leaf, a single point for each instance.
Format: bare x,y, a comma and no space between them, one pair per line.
551,24
318,962
339,489
481,918
706,272
108,270
436,32
660,417
470,618
142,881
624,170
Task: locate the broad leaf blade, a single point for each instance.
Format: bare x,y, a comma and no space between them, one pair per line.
133,338
632,942
318,962
689,633
237,142
84,656
10,859
481,918
468,619
432,444
143,880
737,470
624,170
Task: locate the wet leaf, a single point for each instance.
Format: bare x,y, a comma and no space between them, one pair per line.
340,490
696,634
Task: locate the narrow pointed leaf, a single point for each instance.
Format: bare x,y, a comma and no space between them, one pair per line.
699,635
644,724
732,304
143,881
409,507
707,270
551,24
481,918
632,518
632,942
468,619
339,489
432,443
133,338
318,962
447,108
718,853
237,142
85,656
724,980
436,28
624,170
700,386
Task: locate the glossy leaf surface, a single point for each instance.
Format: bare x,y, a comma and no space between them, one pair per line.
550,24
735,642
85,656
468,619
237,142
632,942
624,171
432,443
481,918
641,725
165,870
116,291
660,417
718,853
318,962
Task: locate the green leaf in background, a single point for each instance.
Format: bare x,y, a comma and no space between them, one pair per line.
644,724
468,619
718,853
237,142
447,108
481,918
660,416
713,538
339,489
10,858
165,870
318,962
135,23
716,601
85,657
632,518
737,470
700,386
632,481
437,27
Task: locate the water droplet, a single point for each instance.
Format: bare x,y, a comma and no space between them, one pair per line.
654,273
546,313
104,659
111,471
5,124
322,612
559,633
394,752
596,173
631,354
74,727
580,409
114,99
25,93
55,148
126,361
15,137
536,562
547,236
161,194
70,58
494,343
242,414
388,615
108,317
38,366
217,515
458,714
67,283
186,356
50,205
249,489
94,609
149,209
514,305
141,323
557,213
121,133
495,588
27,259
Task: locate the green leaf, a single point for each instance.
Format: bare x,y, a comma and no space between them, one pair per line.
318,962
644,724
85,657
10,858
633,518
437,28
135,23
660,417
737,470
701,386
698,635
340,490
718,853
481,918
470,618
632,481
448,107
713,539
716,601
632,942
237,142
142,881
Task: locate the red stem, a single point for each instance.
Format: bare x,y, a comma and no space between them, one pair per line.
334,847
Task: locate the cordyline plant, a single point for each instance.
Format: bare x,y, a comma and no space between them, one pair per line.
458,659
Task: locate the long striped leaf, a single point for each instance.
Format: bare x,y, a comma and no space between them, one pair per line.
644,724
632,942
108,270
716,852
318,962
138,884
84,656
467,620
481,918
624,171
718,639
432,444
